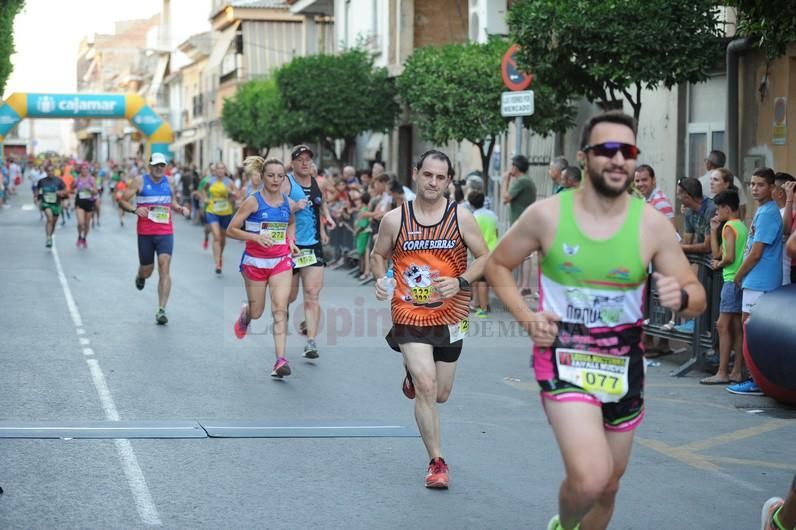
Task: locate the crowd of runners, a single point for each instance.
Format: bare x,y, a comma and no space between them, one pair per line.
430,254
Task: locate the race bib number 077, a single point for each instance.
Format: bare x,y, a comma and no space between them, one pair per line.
603,376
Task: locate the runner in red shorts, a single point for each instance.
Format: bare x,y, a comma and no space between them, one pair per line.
266,223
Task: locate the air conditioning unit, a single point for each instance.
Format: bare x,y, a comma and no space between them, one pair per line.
487,17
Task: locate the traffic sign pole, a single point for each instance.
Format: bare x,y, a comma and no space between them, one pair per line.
517,135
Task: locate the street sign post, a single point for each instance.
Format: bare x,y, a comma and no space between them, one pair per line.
516,103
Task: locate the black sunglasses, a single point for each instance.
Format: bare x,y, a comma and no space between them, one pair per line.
609,149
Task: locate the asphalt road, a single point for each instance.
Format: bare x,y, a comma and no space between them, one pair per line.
703,458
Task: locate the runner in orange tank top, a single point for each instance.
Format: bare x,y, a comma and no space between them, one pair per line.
428,240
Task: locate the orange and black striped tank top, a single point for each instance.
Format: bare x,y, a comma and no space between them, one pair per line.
421,255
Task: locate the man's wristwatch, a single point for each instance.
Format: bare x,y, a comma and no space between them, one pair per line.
683,299
464,285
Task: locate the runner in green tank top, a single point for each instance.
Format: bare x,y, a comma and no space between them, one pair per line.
596,244
728,256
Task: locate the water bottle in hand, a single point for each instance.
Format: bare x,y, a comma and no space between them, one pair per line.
388,283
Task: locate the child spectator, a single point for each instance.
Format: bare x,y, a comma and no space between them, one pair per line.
728,255
761,270
362,232
487,222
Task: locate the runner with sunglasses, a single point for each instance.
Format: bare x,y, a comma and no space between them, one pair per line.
596,244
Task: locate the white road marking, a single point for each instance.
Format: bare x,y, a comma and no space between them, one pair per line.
27,207
147,510
84,342
88,351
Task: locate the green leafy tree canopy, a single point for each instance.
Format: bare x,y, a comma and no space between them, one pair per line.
608,49
8,11
337,97
454,94
772,25
255,116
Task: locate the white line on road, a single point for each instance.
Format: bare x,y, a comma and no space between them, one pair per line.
27,207
135,477
88,351
84,341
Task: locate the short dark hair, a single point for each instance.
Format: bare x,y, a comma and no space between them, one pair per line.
521,163
728,198
384,177
396,187
365,197
613,116
476,199
783,177
647,168
691,186
572,173
717,158
438,155
766,173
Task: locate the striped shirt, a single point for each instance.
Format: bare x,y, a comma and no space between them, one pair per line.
660,202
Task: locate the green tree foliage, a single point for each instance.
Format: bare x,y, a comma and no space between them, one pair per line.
337,97
608,49
8,11
454,94
771,24
255,116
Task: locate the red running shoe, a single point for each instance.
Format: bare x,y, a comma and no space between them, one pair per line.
240,328
408,387
204,245
437,476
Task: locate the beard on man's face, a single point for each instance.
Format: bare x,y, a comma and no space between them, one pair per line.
600,183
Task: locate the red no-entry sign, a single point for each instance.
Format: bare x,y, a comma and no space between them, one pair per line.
512,77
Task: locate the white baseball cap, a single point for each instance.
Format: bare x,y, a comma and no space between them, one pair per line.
157,158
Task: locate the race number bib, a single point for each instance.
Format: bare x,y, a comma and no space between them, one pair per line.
422,295
306,258
603,376
84,194
159,214
459,330
51,197
277,231
220,205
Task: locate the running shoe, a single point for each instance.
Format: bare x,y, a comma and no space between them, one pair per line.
281,368
79,242
218,271
767,515
481,313
49,242
85,243
686,327
554,524
160,317
303,328
408,386
311,350
139,283
242,324
745,388
204,244
437,476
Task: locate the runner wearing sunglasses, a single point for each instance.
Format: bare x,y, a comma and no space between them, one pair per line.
596,244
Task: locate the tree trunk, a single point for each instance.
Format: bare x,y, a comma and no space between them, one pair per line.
329,145
635,102
484,162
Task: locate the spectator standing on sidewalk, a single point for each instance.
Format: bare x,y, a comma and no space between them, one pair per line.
645,183
715,160
761,270
696,233
519,192
727,241
556,173
785,185
572,178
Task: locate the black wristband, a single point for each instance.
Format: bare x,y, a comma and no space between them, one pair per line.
683,299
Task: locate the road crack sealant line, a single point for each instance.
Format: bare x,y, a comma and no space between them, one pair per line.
144,504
